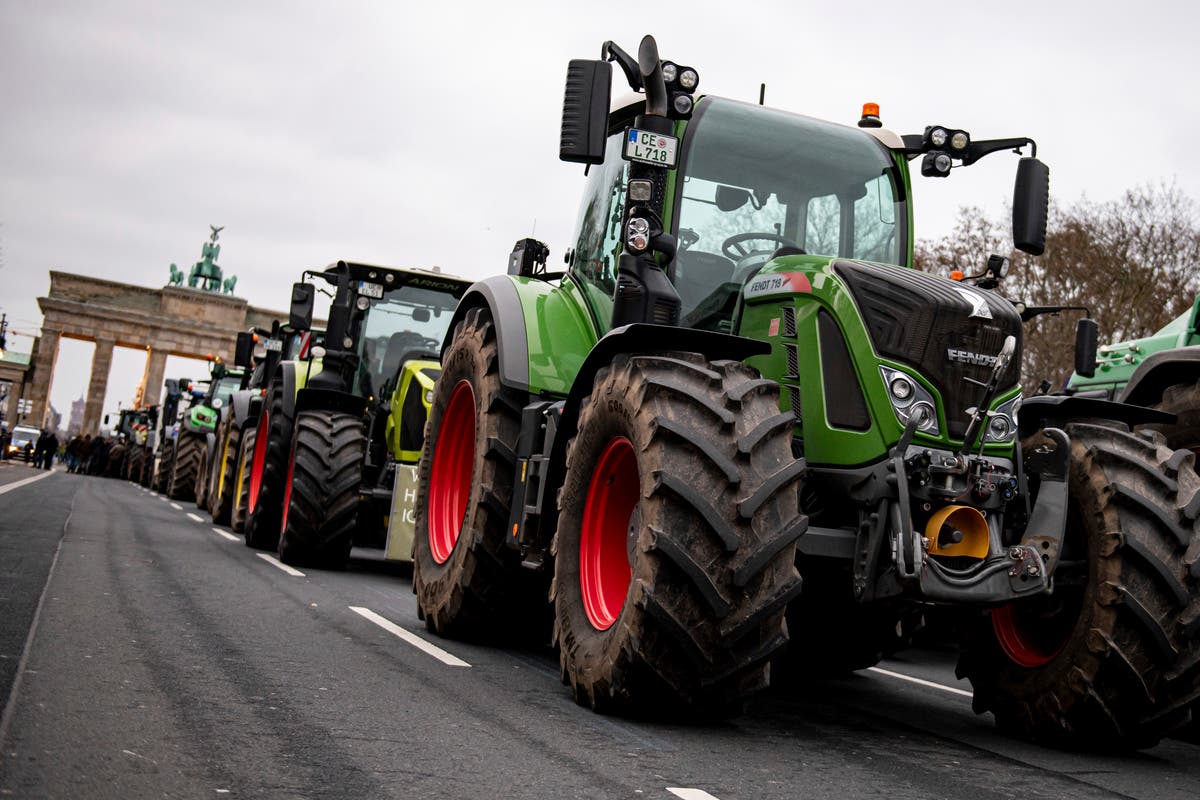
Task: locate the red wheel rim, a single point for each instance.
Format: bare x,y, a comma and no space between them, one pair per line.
260,458
287,489
450,476
604,569
1028,645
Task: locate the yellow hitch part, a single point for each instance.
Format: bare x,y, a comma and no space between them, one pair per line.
958,531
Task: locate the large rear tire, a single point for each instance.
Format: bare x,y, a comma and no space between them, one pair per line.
166,459
467,580
220,503
321,496
136,462
1112,658
182,483
676,541
1184,402
203,467
241,488
268,473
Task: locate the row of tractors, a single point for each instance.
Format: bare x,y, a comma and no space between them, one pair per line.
737,441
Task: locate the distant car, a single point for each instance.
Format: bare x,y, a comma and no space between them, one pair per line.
20,435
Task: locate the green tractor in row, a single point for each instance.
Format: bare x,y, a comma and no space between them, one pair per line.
164,444
195,432
341,427
740,422
1160,371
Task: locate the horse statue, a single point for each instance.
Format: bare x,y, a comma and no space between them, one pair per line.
176,276
230,282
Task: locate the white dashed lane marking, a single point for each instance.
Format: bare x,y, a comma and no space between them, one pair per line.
275,562
196,518
226,534
449,659
920,681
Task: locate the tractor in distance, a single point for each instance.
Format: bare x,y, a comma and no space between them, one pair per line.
248,407
164,448
342,427
196,436
740,416
135,429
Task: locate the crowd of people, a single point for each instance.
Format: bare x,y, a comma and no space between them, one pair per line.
87,455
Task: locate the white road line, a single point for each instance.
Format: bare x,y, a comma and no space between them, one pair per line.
921,682
690,794
24,481
449,659
162,497
176,506
226,534
196,518
270,559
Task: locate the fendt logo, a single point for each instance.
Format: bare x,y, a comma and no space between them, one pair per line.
967,357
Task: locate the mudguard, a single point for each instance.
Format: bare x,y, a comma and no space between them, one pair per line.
1056,411
499,295
240,406
330,400
295,375
1160,370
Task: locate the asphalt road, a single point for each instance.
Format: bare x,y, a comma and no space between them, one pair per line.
168,660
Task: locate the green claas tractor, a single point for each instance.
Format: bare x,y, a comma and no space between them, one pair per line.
740,416
340,422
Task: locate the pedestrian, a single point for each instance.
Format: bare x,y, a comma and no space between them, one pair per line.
39,449
51,451
28,452
73,453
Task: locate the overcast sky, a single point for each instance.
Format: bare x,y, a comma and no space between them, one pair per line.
415,134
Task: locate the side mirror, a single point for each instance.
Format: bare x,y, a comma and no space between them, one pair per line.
585,111
1087,333
243,352
1031,204
106,419
300,315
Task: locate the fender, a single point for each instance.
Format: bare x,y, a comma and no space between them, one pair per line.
329,400
499,295
239,405
1057,410
1160,370
295,375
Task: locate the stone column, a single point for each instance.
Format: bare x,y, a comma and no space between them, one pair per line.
152,377
97,386
44,358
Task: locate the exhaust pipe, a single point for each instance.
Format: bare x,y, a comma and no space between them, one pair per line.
958,531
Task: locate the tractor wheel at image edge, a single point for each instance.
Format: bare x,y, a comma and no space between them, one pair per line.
468,582
221,497
268,473
676,541
1111,660
1184,402
240,493
321,491
162,470
202,470
182,483
135,463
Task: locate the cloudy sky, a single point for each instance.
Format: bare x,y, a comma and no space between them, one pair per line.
415,134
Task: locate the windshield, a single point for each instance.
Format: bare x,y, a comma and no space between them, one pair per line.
405,323
757,180
226,387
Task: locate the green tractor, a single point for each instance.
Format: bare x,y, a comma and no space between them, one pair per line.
196,436
1160,371
740,416
341,428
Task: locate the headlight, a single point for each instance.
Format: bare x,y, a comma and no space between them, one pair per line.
1002,424
937,137
688,79
959,140
910,400
670,71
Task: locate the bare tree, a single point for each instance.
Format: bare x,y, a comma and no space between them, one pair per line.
1133,262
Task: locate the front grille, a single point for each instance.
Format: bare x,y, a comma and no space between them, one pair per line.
789,322
794,397
792,353
917,319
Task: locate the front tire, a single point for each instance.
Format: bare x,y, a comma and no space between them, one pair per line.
467,580
1112,658
241,489
162,472
321,495
268,473
675,548
222,492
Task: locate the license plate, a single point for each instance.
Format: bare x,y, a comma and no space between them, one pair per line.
651,148
367,289
274,345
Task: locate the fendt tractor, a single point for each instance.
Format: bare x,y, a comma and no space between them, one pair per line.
740,415
1161,371
342,428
